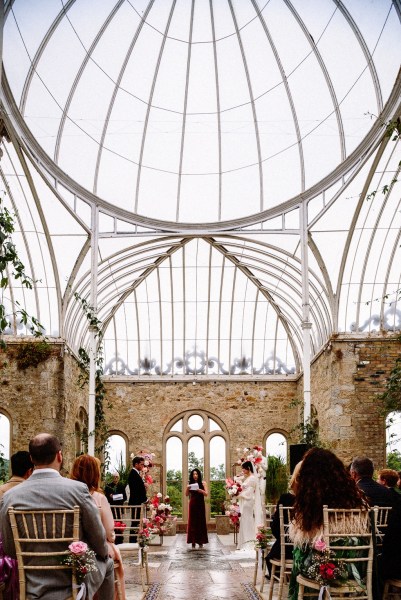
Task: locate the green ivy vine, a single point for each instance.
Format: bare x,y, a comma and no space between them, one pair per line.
12,266
101,427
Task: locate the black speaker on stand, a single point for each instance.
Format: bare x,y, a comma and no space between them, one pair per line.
297,452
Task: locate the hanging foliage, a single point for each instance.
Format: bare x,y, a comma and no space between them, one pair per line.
11,266
101,428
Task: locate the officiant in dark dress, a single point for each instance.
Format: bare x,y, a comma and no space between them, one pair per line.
116,496
137,492
197,528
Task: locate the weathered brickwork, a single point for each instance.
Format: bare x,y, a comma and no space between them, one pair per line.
346,378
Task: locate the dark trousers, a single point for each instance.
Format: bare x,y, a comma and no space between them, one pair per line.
135,520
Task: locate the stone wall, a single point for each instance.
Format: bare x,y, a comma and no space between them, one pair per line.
346,378
249,410
42,398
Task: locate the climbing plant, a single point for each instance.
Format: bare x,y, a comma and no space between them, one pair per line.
101,428
12,266
390,399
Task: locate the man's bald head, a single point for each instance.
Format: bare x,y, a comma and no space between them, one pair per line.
43,449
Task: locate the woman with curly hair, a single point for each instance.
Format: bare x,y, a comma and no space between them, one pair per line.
322,480
86,468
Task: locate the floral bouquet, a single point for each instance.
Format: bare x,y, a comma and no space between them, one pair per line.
263,537
323,567
81,559
232,511
161,519
146,534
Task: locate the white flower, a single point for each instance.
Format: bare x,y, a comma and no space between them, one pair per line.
146,463
162,506
159,495
132,455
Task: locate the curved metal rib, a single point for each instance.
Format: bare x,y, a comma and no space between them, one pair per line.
88,55
39,52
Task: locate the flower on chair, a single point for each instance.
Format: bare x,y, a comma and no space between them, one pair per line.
81,558
323,567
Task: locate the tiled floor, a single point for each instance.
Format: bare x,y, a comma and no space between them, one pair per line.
177,572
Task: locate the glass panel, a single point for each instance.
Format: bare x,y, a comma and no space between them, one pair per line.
177,426
5,432
195,422
213,426
393,439
196,454
217,475
117,450
174,474
276,445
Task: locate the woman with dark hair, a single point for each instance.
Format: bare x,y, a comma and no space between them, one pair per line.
322,480
86,468
196,490
250,507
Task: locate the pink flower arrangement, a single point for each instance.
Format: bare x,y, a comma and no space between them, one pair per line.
161,518
81,559
232,511
255,456
233,486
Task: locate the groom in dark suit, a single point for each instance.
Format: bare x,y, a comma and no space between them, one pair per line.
137,491
47,490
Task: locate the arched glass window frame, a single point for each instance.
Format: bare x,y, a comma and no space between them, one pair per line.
185,436
124,436
282,432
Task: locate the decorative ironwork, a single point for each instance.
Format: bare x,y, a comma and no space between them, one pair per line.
197,363
391,322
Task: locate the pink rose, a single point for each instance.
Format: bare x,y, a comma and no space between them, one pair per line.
78,548
320,545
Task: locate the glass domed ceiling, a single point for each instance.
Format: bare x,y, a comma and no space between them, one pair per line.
200,112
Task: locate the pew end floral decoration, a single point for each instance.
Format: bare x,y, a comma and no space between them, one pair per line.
232,511
80,558
323,567
263,537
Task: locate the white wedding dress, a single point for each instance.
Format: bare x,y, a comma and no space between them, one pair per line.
250,506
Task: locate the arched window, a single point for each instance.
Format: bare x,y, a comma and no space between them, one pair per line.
393,439
5,446
116,447
276,445
196,439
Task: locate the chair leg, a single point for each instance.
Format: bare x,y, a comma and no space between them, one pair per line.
263,572
300,591
271,586
255,570
281,584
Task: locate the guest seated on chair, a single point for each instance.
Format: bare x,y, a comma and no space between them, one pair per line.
47,490
322,480
362,473
87,469
286,499
389,478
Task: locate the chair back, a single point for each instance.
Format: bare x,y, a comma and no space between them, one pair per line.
38,536
380,520
131,518
286,544
348,533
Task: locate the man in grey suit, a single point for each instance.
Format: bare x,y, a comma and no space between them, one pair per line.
47,490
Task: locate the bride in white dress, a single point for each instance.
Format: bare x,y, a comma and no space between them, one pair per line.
250,506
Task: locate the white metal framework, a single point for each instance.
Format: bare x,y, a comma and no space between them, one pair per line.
214,178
